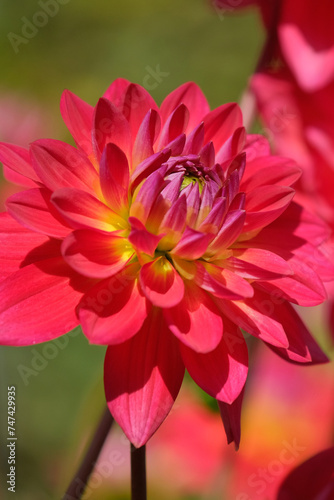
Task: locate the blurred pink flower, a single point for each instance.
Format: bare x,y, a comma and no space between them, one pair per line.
312,480
164,233
303,35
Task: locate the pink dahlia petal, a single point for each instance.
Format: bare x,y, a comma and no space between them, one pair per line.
34,210
161,284
115,309
78,116
303,288
114,178
192,97
136,104
82,210
186,320
194,141
213,221
233,146
222,372
20,247
255,263
116,91
221,123
146,136
302,348
269,170
229,232
60,165
221,282
146,196
110,125
174,126
265,204
27,294
141,397
148,166
231,416
255,317
17,164
192,245
141,238
312,480
96,254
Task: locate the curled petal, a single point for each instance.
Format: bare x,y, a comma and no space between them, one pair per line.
231,229
141,397
161,284
174,127
146,136
186,320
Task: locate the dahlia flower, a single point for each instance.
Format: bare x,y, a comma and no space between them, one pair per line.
164,233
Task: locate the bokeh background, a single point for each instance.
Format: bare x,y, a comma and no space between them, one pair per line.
83,46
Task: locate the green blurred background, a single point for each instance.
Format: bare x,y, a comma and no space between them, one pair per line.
84,47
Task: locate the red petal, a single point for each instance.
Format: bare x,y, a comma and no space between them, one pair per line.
255,263
116,91
60,165
222,372
34,210
110,125
174,126
161,284
312,480
137,102
270,170
192,245
147,133
115,309
186,320
221,282
38,302
141,238
221,123
231,415
96,254
229,232
20,247
82,210
78,116
192,97
142,378
255,316
302,347
17,159
114,178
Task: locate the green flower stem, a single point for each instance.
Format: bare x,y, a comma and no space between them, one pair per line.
79,482
138,473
